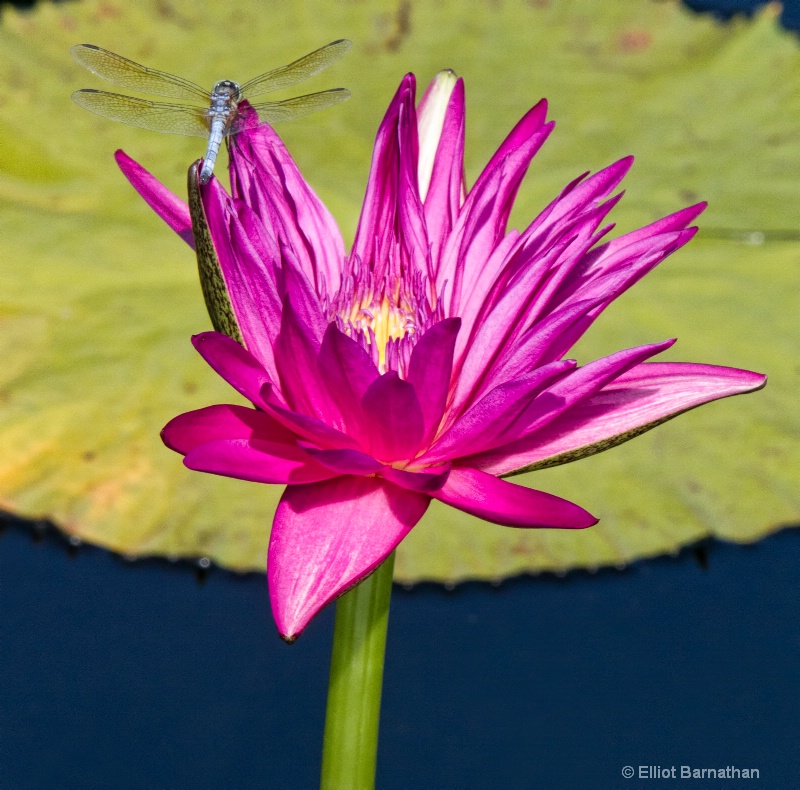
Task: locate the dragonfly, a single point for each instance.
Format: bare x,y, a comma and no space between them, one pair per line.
218,116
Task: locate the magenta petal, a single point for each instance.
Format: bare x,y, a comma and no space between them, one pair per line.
545,342
235,364
613,273
576,198
577,386
377,226
327,537
249,279
264,175
443,195
508,504
633,403
300,292
167,205
296,352
190,430
483,217
393,418
494,414
257,461
426,481
430,369
346,462
347,371
309,428
518,137
677,221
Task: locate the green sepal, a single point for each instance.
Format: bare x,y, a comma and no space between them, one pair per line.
215,292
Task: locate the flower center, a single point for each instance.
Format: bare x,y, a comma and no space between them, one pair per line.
379,321
384,314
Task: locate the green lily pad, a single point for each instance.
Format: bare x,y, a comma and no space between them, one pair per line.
98,298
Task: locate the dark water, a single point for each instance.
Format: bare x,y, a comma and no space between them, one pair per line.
133,675
725,9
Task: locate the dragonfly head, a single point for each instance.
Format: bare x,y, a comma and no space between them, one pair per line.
227,89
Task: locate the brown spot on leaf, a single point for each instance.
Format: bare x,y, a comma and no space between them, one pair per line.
402,27
631,41
108,11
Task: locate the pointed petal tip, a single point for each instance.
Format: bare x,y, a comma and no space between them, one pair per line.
622,166
201,338
165,435
172,209
329,536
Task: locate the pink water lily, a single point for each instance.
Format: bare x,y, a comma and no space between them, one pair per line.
428,363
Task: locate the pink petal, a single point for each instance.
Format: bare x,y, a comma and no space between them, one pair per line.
510,505
235,364
376,226
518,138
327,537
346,462
494,414
543,343
483,217
430,369
347,370
425,481
249,278
673,222
304,299
575,387
574,200
257,461
310,428
498,331
187,431
633,403
614,273
296,352
167,205
444,192
265,176
393,418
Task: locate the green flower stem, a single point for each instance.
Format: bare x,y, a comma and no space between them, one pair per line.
354,692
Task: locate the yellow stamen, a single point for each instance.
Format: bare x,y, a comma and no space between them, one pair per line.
387,320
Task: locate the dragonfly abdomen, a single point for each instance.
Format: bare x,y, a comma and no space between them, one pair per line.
220,121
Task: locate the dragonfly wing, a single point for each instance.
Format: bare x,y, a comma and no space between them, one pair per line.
127,74
302,69
273,111
156,116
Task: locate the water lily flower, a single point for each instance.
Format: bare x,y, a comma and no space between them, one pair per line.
429,362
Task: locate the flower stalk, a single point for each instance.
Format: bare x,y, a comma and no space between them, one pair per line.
354,691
